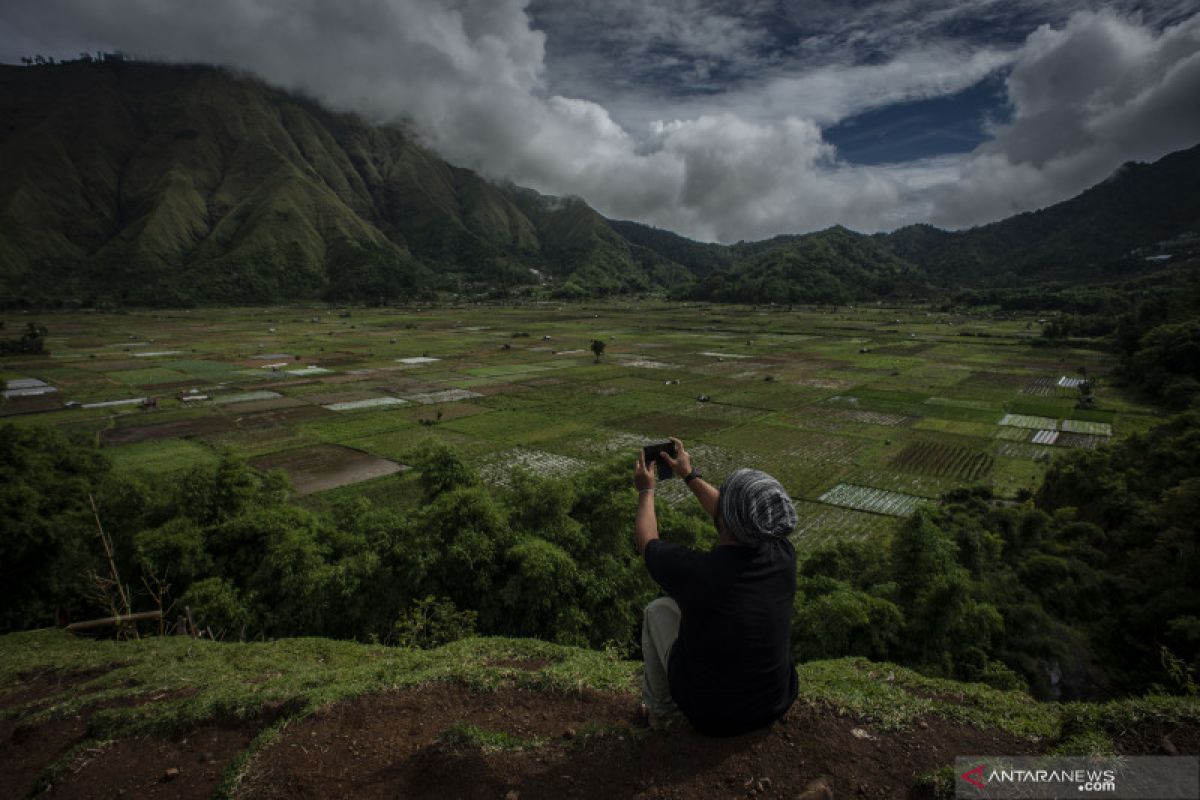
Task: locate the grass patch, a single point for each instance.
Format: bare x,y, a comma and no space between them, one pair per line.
466,736
201,681
210,370
148,376
509,428
164,455
247,681
895,697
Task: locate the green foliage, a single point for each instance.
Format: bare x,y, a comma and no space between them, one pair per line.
31,342
1167,362
467,736
1182,677
1070,325
174,551
48,539
840,604
432,622
1159,343
441,469
1074,596
214,495
832,266
1089,744
949,629
215,603
845,621
538,592
938,783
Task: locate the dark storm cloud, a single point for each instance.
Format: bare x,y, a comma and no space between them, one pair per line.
702,117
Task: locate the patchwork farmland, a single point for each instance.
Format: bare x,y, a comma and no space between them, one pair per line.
864,414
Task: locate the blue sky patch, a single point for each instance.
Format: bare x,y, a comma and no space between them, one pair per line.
924,128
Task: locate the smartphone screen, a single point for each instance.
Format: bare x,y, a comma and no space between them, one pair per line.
652,450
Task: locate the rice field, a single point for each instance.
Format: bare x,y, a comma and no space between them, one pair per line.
862,413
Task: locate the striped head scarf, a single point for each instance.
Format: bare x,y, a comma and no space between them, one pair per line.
755,507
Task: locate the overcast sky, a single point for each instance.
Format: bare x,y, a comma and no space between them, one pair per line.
718,120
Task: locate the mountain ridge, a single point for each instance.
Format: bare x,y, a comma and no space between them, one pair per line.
148,184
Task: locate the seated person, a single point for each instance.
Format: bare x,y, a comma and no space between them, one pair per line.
718,648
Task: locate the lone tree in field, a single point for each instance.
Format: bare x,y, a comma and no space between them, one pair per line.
1087,389
31,341
597,349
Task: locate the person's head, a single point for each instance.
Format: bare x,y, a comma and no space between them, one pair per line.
754,508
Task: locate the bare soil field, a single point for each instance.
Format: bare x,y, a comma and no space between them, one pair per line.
326,466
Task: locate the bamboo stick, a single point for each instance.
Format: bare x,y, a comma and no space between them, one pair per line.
119,620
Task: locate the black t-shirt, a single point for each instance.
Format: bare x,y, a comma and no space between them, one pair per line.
731,668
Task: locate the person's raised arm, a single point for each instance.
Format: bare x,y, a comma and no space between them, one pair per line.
645,523
681,464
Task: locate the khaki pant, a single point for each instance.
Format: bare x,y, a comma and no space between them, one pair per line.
660,629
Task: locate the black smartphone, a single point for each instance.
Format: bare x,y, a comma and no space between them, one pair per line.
651,452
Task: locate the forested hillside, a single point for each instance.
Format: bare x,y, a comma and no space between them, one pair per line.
1141,211
133,183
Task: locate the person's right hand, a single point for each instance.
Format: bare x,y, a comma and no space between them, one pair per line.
681,464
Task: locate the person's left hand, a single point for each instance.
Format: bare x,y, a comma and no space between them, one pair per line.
643,473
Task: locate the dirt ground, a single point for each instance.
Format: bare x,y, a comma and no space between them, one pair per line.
31,405
584,745
132,434
326,466
590,746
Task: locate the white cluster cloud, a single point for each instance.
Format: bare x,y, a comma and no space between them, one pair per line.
470,76
1088,97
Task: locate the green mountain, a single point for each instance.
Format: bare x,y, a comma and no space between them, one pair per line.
1113,230
835,265
136,183
582,248
1093,235
143,183
698,257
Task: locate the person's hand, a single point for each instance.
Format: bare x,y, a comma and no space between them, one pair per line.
681,464
643,473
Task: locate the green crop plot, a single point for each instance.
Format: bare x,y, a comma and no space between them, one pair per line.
854,436
167,455
821,524
876,501
212,370
943,460
150,375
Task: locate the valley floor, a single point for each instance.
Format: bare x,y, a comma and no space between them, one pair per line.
862,413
